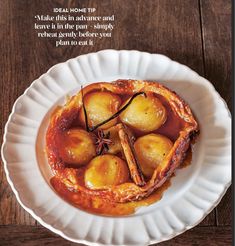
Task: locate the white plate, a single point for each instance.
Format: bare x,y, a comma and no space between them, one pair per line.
195,190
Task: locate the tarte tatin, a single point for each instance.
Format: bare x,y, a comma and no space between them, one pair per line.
114,146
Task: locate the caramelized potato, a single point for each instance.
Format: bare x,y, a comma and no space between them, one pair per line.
144,113
106,170
151,150
77,147
100,106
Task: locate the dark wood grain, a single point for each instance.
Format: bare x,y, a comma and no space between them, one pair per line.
160,27
217,38
16,57
224,210
211,236
195,33
37,235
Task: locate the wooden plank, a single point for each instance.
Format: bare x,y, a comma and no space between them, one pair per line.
16,56
216,30
30,236
168,27
217,39
224,209
37,235
211,236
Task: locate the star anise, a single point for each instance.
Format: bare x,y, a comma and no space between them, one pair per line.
102,141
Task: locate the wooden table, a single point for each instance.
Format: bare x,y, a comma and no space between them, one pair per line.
193,32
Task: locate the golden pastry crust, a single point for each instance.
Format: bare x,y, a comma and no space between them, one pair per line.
62,119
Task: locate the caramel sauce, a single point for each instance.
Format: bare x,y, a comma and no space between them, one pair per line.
96,204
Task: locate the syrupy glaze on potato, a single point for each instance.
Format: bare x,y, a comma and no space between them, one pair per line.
100,105
151,150
146,113
106,171
74,142
114,146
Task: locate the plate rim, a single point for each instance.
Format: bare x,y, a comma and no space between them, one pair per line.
59,232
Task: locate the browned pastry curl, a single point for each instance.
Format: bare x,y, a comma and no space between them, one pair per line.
64,117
